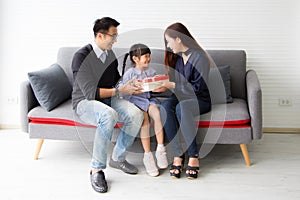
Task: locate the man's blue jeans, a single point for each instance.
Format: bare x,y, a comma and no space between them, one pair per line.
105,118
182,114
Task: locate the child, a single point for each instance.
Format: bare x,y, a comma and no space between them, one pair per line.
140,57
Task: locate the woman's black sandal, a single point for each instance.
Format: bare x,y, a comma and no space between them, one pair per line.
193,175
194,170
177,168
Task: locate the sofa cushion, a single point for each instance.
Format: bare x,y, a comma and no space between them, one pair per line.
230,115
225,73
217,93
51,86
61,115
236,59
222,115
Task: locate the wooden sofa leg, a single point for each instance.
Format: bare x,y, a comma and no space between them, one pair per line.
38,148
245,154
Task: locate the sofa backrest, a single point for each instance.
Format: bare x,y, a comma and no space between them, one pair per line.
64,59
236,59
65,56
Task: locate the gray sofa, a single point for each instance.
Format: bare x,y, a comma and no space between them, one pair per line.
238,122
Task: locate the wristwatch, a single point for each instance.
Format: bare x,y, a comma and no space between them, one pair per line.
117,92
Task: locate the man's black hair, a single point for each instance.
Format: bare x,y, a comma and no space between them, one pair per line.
103,24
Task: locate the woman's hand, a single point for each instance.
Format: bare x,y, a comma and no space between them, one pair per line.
164,86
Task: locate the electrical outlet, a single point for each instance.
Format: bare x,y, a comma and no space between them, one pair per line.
285,102
12,100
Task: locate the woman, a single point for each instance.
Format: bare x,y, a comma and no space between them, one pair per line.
190,98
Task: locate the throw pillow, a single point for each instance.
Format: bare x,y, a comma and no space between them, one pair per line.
50,86
214,86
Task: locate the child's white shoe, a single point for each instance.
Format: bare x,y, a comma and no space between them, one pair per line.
150,165
161,157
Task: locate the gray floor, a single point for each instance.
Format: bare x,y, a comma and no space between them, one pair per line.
62,172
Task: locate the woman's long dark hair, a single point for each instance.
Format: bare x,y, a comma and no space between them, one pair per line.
178,30
135,50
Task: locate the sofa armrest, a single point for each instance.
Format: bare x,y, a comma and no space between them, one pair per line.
254,99
27,102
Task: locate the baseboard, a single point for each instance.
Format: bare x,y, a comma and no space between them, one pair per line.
281,130
8,126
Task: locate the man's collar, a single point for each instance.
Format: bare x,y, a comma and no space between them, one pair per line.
97,50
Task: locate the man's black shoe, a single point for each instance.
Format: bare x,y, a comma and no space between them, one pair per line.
98,182
124,166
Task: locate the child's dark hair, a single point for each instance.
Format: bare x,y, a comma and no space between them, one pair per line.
135,50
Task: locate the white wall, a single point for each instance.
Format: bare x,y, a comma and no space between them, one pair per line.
32,31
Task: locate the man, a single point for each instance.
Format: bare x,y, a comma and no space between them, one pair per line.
95,100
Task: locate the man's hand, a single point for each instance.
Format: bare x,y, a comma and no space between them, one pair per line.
131,88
